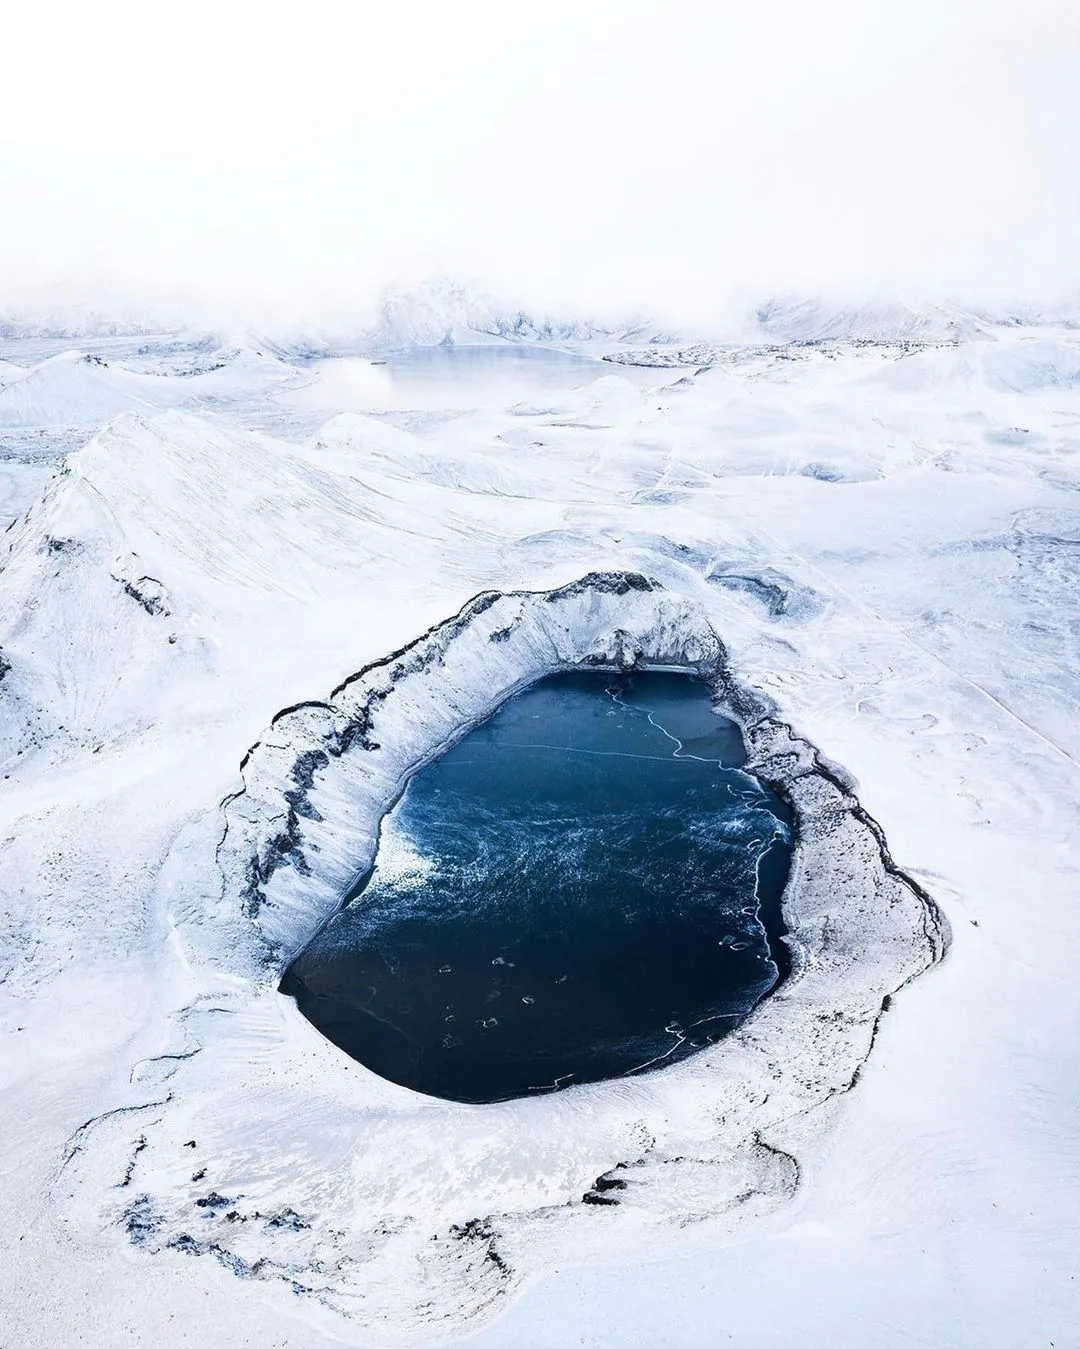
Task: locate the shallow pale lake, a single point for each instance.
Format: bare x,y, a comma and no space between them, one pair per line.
454,377
586,885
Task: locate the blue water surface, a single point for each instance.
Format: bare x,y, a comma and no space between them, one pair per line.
586,886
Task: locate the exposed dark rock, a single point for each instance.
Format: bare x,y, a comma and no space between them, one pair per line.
604,583
148,592
54,546
186,1243
601,1189
303,775
288,1218
608,1182
478,1230
141,1222
140,1146
213,1200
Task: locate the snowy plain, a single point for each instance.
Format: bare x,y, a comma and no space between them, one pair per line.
878,518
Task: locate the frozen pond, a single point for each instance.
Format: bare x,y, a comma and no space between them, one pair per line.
453,377
587,885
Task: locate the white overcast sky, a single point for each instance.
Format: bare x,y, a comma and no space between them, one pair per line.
271,157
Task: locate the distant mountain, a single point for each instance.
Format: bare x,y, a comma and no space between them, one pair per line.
447,311
817,319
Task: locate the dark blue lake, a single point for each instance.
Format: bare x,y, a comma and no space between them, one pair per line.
587,885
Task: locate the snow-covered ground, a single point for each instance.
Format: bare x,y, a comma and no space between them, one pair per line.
881,528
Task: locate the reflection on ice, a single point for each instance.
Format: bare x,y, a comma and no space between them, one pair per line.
585,886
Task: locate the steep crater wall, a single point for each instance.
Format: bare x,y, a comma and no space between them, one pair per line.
316,786
305,825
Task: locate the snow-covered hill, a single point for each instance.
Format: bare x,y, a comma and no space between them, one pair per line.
77,390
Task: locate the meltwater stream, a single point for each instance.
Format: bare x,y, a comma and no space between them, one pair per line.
586,886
